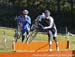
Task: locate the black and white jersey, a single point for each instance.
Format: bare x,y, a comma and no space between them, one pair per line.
48,22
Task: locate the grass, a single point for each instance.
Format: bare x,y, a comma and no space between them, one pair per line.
9,33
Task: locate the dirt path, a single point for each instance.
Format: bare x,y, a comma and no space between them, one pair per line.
39,54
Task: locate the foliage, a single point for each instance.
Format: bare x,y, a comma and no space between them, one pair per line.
62,10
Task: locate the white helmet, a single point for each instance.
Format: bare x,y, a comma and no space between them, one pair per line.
47,12
25,12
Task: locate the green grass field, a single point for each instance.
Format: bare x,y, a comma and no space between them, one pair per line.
9,33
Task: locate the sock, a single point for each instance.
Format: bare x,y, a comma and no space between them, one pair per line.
23,38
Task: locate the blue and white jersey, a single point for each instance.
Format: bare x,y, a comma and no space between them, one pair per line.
25,22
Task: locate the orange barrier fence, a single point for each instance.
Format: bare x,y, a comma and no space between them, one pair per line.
39,54
39,46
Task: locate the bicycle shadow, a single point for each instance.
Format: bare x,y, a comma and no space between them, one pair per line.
42,47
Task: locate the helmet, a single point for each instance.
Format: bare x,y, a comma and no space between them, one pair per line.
25,12
47,12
